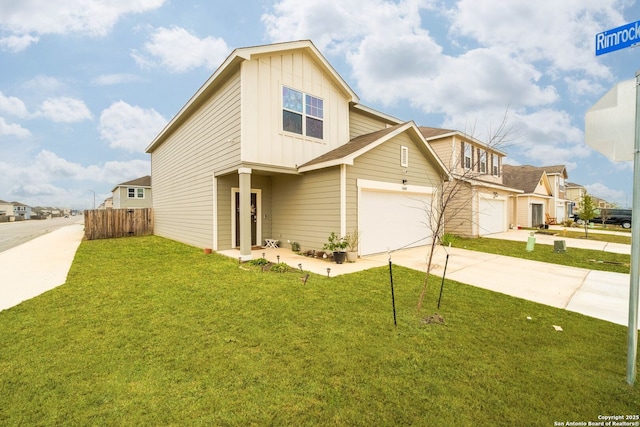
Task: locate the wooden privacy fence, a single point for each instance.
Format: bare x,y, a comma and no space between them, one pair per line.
110,223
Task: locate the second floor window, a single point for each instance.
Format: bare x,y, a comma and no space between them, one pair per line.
302,113
495,165
483,162
468,149
135,193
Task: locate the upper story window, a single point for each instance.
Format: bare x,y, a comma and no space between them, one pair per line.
302,113
495,165
135,193
483,161
468,150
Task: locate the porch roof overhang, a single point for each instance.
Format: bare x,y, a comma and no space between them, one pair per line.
347,153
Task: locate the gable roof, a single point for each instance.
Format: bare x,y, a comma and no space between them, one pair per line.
523,177
556,170
346,153
143,181
232,63
432,134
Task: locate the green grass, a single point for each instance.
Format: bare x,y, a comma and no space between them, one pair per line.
599,237
147,331
574,257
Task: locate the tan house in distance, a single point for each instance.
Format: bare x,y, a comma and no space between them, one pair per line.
536,203
275,145
132,194
481,203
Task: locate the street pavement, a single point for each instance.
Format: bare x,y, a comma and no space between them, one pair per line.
43,263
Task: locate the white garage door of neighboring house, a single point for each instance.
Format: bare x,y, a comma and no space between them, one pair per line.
393,220
491,216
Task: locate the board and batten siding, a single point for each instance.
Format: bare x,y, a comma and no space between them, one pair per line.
383,164
263,140
306,208
183,166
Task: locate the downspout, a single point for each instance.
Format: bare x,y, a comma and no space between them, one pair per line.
343,200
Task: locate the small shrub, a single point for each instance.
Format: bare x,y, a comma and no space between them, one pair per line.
280,267
258,262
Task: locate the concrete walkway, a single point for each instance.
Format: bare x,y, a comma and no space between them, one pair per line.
38,265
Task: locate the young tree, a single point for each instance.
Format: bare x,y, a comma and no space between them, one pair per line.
586,211
455,194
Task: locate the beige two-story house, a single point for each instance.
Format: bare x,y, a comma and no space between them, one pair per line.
276,145
479,198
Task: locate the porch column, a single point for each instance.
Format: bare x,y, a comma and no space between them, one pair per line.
244,181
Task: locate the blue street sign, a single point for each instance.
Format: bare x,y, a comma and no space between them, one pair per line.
618,38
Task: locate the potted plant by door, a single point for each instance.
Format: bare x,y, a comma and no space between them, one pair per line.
352,240
337,245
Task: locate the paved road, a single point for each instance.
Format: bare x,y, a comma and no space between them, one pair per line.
16,233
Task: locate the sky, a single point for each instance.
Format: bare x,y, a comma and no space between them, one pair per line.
85,85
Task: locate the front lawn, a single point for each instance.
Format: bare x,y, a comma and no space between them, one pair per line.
147,331
574,257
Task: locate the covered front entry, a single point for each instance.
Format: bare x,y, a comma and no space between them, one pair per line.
491,216
390,220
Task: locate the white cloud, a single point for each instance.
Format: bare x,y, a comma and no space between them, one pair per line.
12,129
15,44
90,17
42,84
12,105
129,127
180,51
114,79
65,110
603,192
53,167
50,180
564,31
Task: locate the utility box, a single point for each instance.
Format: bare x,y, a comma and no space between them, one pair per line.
531,242
560,246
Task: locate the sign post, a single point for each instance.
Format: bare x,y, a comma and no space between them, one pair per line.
620,147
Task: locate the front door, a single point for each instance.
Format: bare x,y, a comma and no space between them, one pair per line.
537,214
254,218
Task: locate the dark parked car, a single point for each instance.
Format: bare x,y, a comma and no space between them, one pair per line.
621,217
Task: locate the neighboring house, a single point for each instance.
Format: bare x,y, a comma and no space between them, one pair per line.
275,145
21,211
6,211
107,204
529,209
480,205
132,194
574,193
601,203
560,204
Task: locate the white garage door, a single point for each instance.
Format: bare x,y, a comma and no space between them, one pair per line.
491,215
393,220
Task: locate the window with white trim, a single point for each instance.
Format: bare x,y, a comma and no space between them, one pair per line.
483,161
495,165
468,150
404,156
302,113
135,193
